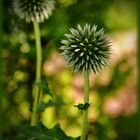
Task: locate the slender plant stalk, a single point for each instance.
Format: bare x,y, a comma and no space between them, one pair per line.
36,93
86,100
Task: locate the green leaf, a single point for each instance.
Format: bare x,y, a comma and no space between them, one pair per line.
51,103
82,106
40,132
45,88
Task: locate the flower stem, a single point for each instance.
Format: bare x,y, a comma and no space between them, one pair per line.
38,73
85,112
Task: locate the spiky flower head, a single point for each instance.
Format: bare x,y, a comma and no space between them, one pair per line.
86,48
31,10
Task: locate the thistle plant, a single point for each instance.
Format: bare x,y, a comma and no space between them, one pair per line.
35,11
86,49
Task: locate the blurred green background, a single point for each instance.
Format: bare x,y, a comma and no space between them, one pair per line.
112,93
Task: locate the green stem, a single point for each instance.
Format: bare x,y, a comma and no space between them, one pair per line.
86,100
38,73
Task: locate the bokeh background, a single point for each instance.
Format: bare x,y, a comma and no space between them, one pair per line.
113,96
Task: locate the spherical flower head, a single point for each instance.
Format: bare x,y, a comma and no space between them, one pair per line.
86,49
31,10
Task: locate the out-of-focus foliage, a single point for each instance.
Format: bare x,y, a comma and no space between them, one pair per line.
113,92
40,132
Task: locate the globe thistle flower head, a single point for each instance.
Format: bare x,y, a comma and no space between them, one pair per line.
86,48
31,10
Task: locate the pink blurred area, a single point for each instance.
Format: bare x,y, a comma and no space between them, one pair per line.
123,103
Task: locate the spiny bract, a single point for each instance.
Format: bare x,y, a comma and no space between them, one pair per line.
31,10
86,49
